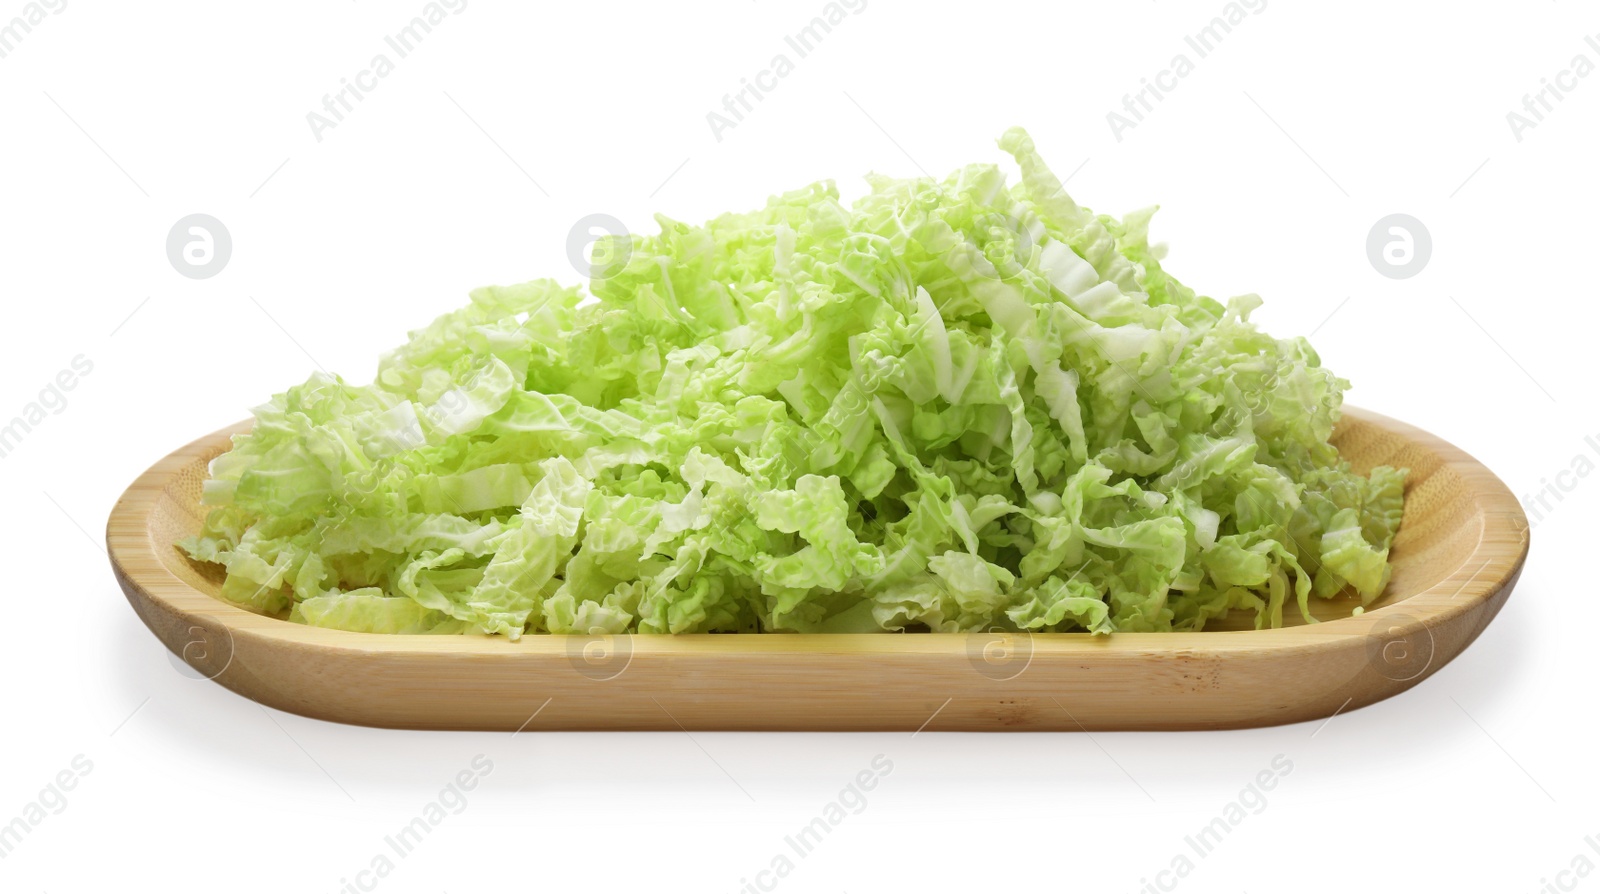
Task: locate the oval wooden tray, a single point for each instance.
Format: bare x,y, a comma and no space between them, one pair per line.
1457,556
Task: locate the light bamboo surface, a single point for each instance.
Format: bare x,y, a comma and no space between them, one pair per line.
1457,556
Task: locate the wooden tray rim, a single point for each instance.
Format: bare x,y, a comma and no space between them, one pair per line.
129,543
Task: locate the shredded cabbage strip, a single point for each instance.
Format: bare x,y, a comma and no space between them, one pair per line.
958,405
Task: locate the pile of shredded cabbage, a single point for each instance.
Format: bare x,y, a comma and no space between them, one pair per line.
956,406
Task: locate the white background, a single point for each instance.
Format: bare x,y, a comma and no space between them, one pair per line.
471,162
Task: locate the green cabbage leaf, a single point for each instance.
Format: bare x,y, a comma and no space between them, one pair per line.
956,405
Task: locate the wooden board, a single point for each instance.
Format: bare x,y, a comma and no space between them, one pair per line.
1457,556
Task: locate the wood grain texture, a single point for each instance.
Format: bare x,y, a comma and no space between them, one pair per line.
1457,557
